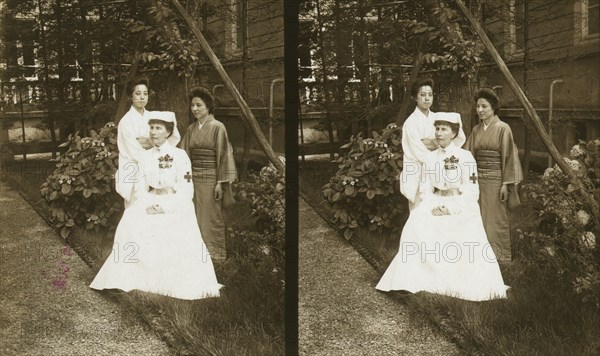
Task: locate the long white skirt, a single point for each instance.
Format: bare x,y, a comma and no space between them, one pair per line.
161,253
448,255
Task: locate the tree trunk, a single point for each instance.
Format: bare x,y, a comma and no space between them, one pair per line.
527,146
248,115
135,62
47,80
247,136
325,74
407,101
61,71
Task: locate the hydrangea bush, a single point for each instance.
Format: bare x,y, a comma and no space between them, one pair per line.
565,238
80,191
365,190
263,238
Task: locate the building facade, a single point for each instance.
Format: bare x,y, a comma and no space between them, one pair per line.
552,49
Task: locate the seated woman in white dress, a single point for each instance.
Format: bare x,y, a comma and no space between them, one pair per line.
158,247
443,247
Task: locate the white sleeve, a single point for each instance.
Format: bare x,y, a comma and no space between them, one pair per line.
427,188
184,185
414,149
127,141
469,180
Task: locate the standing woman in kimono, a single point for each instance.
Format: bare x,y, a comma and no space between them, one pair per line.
133,138
499,170
418,139
213,167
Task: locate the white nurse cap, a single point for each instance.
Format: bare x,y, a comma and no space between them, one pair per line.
167,116
452,117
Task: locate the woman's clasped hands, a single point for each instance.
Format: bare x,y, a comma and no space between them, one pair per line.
440,210
155,209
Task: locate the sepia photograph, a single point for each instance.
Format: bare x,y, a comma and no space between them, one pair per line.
449,177
142,180
314,177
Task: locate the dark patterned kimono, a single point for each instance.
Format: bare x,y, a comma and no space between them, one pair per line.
212,161
498,162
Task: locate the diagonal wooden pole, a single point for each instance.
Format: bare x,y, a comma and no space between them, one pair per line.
531,113
135,62
247,113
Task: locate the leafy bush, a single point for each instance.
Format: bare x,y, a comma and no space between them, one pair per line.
365,190
565,239
263,238
81,190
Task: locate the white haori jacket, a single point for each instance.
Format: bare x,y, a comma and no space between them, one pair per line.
132,126
416,128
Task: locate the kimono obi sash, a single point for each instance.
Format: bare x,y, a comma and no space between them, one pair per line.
447,192
203,159
489,164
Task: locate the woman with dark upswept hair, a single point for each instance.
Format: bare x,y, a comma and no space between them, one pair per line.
213,168
133,138
497,156
418,139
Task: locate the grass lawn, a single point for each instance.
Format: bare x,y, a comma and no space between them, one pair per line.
248,317
540,316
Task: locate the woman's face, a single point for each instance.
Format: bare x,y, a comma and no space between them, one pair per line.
484,109
424,98
158,134
443,135
139,97
199,108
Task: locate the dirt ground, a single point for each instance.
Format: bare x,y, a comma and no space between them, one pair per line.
341,312
46,305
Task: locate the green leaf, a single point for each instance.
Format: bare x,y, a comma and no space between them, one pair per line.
349,190
336,196
87,193
64,232
370,194
66,189
348,233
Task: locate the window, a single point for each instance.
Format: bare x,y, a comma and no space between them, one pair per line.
26,58
514,27
592,17
306,41
240,18
519,11
235,18
305,65
587,20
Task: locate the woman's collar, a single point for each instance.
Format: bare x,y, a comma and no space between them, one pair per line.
208,118
451,147
164,146
429,112
134,110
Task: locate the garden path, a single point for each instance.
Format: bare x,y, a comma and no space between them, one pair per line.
45,302
340,311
